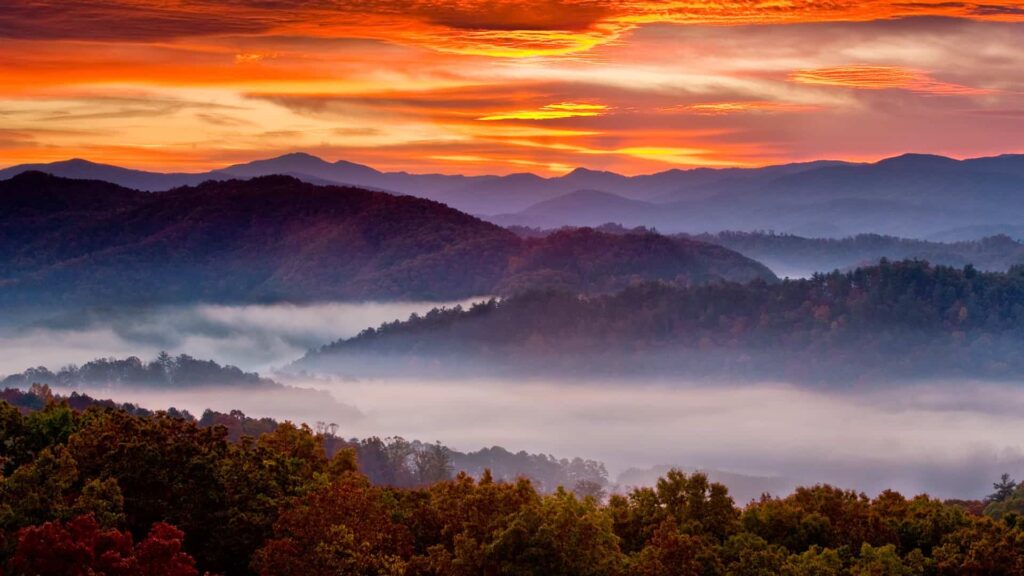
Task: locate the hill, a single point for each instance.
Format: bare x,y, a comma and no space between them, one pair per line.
891,322
277,238
589,261
582,208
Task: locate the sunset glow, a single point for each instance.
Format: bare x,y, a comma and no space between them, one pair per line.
497,87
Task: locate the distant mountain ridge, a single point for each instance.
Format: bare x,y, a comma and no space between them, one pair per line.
278,238
913,195
473,194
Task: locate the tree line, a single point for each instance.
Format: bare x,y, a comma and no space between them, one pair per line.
163,371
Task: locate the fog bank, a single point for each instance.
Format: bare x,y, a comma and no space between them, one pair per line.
253,337
948,439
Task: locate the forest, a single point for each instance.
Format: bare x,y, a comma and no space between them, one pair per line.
896,320
108,490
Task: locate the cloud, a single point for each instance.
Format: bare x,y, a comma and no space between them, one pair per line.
501,28
122,20
223,120
404,85
464,101
881,78
12,138
95,107
551,112
726,108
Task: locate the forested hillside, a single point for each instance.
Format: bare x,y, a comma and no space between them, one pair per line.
277,238
903,320
106,491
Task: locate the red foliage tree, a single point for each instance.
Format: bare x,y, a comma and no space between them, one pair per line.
80,547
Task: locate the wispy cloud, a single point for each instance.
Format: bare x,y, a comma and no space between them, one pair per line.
882,78
726,108
551,112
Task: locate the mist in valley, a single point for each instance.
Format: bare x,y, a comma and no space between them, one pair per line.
255,337
947,438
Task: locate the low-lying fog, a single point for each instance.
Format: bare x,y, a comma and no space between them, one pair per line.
252,337
951,439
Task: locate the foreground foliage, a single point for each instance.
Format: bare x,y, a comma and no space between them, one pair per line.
107,492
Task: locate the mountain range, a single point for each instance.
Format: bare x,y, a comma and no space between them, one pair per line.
911,195
277,238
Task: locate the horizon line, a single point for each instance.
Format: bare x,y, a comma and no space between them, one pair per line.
860,162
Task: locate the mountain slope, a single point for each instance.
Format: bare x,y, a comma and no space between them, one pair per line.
277,238
268,238
305,166
582,208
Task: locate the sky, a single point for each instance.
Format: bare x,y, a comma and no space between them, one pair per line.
502,86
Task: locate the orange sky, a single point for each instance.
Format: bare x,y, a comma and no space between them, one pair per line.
500,86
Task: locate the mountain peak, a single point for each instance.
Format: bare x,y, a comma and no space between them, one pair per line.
79,162
911,159
581,171
300,157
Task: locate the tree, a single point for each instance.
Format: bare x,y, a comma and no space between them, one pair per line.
697,505
1003,489
557,536
433,464
882,561
671,553
345,527
815,561
590,489
80,547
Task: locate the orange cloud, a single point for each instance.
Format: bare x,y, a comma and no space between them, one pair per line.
551,112
727,108
499,28
629,85
881,78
